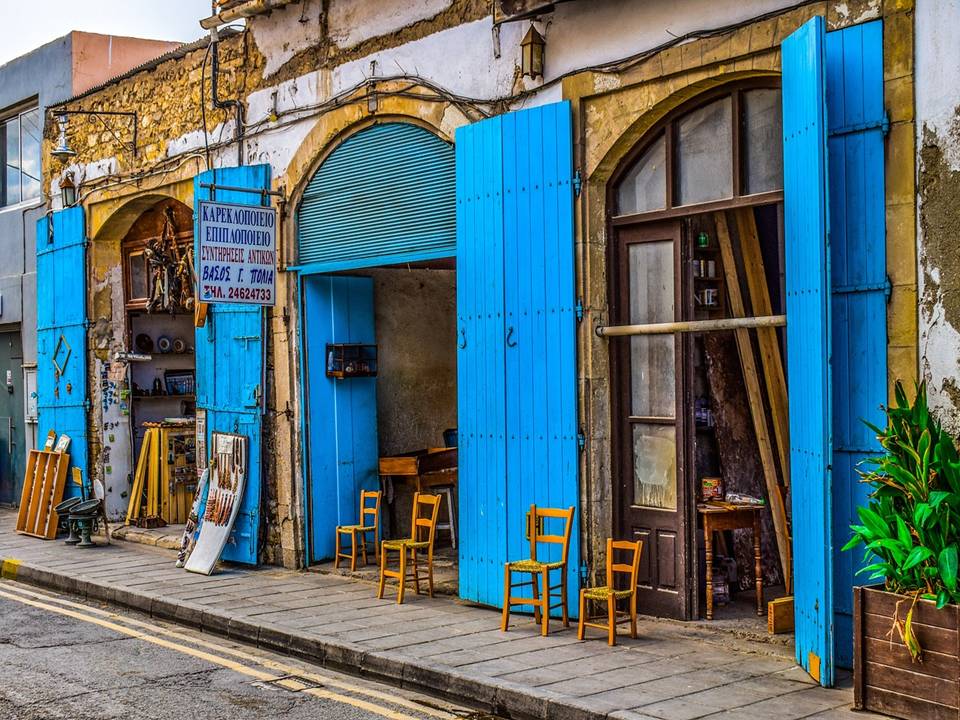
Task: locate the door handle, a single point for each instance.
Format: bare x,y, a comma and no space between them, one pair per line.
510,335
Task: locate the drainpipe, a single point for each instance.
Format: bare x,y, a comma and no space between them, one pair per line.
223,104
248,9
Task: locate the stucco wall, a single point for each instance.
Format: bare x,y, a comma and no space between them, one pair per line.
938,188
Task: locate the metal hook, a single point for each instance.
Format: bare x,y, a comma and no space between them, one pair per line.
463,343
510,335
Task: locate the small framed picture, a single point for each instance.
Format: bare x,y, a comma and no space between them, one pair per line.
62,444
50,441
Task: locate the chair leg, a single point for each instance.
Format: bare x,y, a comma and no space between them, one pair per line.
403,576
416,570
353,550
545,614
535,584
430,573
383,567
336,557
583,615
453,532
505,620
633,615
363,546
612,620
563,596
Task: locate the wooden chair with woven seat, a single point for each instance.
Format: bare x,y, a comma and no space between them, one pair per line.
540,570
609,594
423,530
361,529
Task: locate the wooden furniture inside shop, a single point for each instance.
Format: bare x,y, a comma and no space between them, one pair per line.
433,469
43,486
539,569
612,592
165,480
369,522
426,509
718,517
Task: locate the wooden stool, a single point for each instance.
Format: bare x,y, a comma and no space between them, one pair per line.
447,492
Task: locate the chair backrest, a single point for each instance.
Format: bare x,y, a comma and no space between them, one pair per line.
366,509
631,569
536,519
426,509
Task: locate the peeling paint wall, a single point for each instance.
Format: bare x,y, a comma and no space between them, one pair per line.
938,188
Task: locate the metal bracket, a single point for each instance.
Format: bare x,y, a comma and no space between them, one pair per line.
246,340
262,192
577,183
578,309
581,441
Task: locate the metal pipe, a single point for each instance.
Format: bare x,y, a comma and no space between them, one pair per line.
224,104
668,328
243,10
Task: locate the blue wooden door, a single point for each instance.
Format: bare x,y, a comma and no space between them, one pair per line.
858,277
62,333
809,343
517,323
230,363
340,425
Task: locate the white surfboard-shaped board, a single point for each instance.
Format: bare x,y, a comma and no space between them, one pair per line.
228,476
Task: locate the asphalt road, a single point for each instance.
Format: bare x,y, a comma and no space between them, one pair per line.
60,658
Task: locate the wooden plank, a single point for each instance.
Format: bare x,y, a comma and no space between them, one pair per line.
39,491
858,650
878,602
780,615
755,401
29,478
163,472
136,492
898,705
770,356
931,637
59,483
895,655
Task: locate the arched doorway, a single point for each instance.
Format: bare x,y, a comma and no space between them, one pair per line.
376,241
696,235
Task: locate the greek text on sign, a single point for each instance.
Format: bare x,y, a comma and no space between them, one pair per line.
238,254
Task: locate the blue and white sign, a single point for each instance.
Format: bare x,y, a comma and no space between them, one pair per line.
238,254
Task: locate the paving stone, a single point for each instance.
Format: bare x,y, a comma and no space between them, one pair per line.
678,709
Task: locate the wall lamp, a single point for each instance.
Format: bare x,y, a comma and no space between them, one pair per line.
532,47
63,151
68,190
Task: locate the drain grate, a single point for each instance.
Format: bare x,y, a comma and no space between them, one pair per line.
294,683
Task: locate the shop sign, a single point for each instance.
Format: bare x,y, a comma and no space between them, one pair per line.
238,254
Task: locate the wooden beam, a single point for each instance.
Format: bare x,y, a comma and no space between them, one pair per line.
770,355
751,380
668,328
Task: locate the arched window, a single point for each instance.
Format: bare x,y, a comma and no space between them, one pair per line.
724,146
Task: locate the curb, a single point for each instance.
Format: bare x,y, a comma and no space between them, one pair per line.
500,697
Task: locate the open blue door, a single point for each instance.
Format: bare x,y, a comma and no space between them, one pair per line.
859,288
341,415
808,343
517,325
230,361
62,333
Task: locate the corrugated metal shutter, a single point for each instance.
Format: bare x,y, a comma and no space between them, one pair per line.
385,196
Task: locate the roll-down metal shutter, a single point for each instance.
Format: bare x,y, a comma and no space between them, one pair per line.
384,196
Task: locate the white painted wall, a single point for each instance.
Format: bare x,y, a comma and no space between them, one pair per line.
937,87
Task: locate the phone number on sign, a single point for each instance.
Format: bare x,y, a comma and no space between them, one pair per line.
215,292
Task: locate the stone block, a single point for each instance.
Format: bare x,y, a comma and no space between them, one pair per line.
342,654
670,61
902,316
243,630
308,647
389,666
273,637
189,613
898,98
897,45
900,165
515,700
216,622
163,608
133,599
901,244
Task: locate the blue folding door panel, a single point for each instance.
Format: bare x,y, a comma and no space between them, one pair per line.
859,287
481,385
516,363
540,318
230,363
808,343
341,415
62,333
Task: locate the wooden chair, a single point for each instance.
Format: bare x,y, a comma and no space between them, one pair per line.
426,508
609,593
362,528
540,570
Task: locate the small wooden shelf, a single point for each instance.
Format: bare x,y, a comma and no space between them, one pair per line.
164,397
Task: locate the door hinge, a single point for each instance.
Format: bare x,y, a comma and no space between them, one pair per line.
577,183
87,404
578,309
581,440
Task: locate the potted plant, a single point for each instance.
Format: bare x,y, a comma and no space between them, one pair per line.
905,631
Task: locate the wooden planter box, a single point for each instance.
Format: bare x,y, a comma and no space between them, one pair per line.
885,679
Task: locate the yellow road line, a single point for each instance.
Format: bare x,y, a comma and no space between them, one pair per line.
209,657
263,662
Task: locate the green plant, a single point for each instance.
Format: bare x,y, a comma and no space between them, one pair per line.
911,526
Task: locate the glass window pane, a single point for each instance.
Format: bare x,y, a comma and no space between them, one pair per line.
762,140
655,466
11,150
30,154
652,365
138,276
644,187
705,153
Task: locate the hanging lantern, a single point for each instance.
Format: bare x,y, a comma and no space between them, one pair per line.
531,48
62,151
68,191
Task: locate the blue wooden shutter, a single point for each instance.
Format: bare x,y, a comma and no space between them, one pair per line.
858,278
517,358
481,385
808,343
230,363
62,333
384,196
342,452
540,318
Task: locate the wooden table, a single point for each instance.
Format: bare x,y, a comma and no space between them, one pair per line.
423,468
742,517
